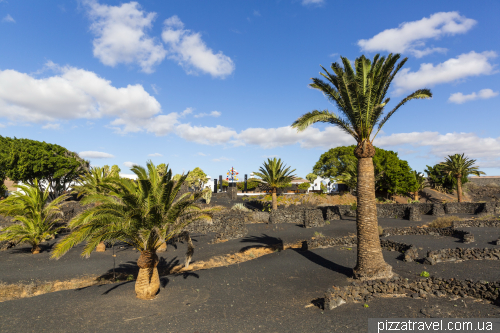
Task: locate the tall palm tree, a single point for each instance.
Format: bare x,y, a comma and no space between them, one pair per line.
459,166
360,96
276,175
143,213
36,215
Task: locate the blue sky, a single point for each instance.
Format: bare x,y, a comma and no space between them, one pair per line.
216,84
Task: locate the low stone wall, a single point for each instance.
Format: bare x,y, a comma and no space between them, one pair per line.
412,212
462,207
477,224
410,252
465,236
226,225
419,288
485,181
447,255
321,242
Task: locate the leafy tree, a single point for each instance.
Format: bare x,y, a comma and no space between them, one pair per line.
459,166
440,180
311,177
36,215
359,94
350,175
251,184
276,175
304,186
143,213
197,178
392,175
53,166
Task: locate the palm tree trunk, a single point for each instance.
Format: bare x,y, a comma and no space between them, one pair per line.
148,280
370,261
35,249
459,188
275,199
416,195
101,247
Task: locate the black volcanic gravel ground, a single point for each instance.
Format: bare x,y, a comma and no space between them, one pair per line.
272,293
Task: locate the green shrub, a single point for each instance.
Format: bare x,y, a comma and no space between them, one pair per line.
250,185
304,186
425,274
354,206
444,221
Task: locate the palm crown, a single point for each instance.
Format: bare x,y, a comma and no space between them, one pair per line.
459,166
359,94
142,213
36,215
275,173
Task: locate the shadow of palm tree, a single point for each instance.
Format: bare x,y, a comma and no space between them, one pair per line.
262,241
269,241
319,260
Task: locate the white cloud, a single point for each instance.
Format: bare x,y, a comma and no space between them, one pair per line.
129,164
155,155
51,126
190,51
284,136
256,13
220,159
202,154
187,111
2,126
459,98
313,2
95,154
211,114
205,135
410,36
75,94
8,19
442,145
155,88
461,67
121,35
128,175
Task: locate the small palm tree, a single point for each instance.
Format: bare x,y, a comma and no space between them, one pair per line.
459,166
143,213
36,215
91,182
276,175
420,184
359,94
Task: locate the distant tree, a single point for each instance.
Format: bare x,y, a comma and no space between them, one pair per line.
419,184
311,177
53,166
392,174
459,166
196,179
37,217
440,180
304,186
276,175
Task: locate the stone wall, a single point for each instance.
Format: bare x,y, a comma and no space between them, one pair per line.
485,181
227,225
450,255
419,288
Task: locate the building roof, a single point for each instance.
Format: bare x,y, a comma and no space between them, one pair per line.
299,181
